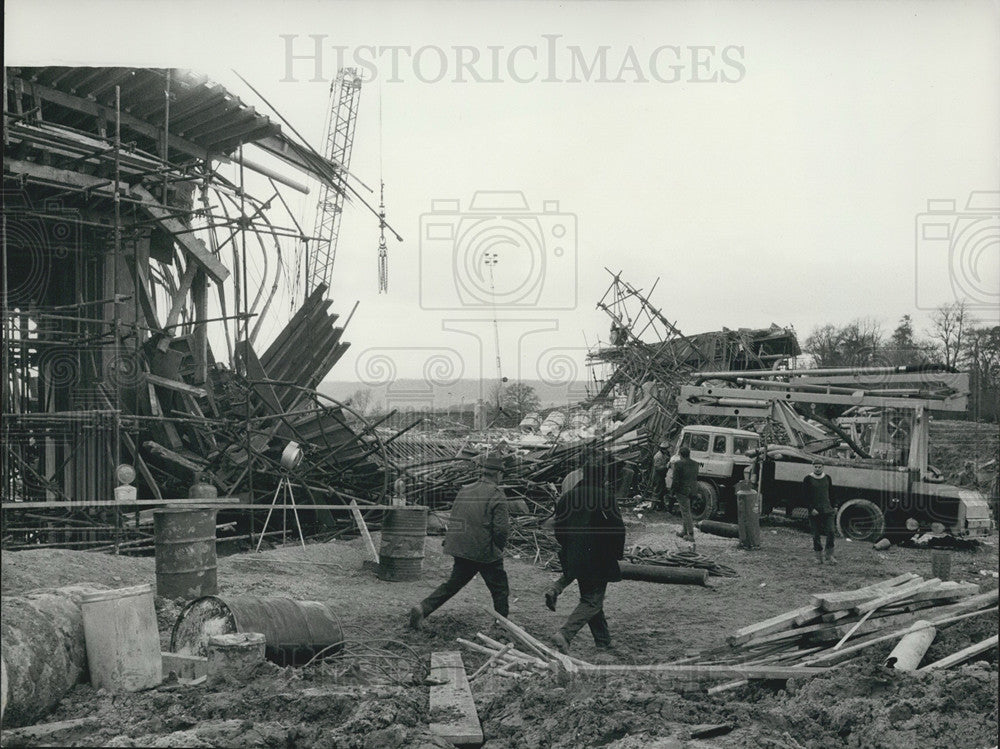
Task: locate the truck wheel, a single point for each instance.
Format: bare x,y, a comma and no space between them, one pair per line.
704,502
861,520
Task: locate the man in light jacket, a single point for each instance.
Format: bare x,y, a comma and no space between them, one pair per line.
476,536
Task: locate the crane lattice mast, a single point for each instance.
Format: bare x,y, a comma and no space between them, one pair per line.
345,92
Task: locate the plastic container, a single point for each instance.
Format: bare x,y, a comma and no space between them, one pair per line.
123,645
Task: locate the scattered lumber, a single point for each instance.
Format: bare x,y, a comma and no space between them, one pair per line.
882,612
451,696
963,655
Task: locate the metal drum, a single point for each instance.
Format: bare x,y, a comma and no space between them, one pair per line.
295,631
185,553
401,556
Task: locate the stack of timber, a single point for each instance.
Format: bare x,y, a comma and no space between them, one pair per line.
836,627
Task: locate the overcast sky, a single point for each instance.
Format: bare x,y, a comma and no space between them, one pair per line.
769,160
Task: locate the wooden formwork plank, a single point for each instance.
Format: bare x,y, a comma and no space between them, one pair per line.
454,698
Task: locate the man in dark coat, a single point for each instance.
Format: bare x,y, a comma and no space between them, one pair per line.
685,486
817,486
658,476
591,538
476,536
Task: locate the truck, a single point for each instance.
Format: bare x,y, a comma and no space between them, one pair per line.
884,486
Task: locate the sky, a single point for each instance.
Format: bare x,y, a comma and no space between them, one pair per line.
768,161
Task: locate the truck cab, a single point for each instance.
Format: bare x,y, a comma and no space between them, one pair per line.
724,454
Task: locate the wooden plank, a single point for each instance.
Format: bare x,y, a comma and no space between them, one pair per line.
778,623
904,592
362,526
43,730
964,654
846,599
176,385
179,300
195,247
704,673
255,372
451,697
99,185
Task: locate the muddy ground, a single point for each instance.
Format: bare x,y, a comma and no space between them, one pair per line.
363,702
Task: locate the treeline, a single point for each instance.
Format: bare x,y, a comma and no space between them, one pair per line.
955,338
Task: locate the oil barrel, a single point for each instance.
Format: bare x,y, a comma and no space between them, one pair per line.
185,552
401,556
295,631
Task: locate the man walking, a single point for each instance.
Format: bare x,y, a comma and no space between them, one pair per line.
591,537
685,486
658,476
572,479
476,536
817,489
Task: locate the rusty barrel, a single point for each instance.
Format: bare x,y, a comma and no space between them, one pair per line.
401,556
294,631
185,552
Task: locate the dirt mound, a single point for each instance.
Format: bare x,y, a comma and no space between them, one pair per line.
867,705
54,568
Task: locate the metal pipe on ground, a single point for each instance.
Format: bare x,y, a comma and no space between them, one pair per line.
657,574
909,651
43,648
716,528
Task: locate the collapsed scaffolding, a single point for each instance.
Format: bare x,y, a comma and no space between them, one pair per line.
650,358
128,200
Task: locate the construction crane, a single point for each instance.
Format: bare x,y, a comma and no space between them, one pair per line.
338,139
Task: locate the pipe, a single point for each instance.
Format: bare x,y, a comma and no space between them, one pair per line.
829,371
44,650
254,166
716,528
911,648
657,574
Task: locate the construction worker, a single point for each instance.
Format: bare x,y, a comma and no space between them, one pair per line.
591,538
685,486
817,487
476,536
560,584
658,476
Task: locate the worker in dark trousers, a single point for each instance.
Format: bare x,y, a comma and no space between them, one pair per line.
817,487
685,486
591,536
658,476
476,536
560,584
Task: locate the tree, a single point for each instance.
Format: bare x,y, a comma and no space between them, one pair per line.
514,400
948,323
824,344
360,400
860,342
903,348
981,354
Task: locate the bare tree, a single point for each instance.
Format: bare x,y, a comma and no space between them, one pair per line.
361,399
824,344
948,323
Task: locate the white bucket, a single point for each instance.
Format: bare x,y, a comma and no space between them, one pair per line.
123,645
